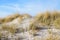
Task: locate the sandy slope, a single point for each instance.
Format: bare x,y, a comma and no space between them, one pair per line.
23,33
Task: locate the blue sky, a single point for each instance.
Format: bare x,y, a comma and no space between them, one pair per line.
32,7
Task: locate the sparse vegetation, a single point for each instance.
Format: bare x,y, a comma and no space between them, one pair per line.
48,18
11,28
14,25
57,23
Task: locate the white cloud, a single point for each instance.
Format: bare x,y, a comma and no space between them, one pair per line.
31,8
